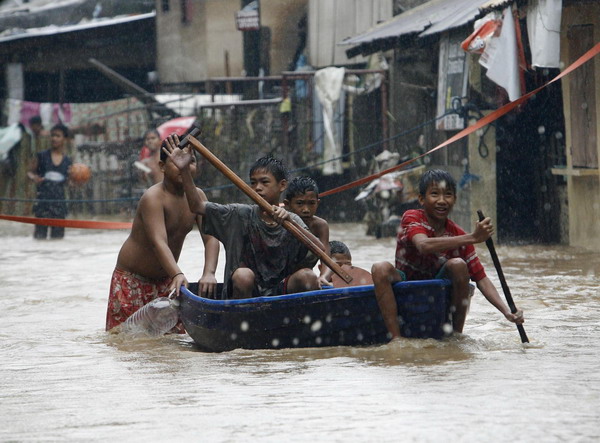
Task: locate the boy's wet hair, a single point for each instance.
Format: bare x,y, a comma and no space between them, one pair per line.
271,165
338,247
62,128
299,186
438,176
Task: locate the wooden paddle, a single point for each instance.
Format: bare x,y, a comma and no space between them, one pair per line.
295,229
511,304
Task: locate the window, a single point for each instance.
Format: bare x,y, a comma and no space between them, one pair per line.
186,11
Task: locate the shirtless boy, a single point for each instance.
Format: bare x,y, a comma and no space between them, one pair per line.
302,198
147,262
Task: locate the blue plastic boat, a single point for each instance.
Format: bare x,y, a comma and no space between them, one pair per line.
328,317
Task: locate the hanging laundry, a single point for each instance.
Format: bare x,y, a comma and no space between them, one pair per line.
328,86
500,57
543,30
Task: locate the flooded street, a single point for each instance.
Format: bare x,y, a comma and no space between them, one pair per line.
63,378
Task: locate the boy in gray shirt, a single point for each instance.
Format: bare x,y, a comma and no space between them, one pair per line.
263,258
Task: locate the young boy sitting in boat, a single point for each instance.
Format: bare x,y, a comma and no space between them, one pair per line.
340,253
147,262
302,198
262,258
430,245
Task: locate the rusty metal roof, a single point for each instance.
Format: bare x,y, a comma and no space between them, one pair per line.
426,19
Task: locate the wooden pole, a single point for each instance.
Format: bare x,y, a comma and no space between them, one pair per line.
295,229
511,304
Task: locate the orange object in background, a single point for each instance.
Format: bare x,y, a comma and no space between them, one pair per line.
80,173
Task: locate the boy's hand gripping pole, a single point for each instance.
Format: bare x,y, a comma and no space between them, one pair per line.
295,229
511,304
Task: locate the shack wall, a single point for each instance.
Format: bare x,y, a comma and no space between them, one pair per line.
583,183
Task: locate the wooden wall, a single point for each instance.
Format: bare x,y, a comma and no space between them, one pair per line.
580,31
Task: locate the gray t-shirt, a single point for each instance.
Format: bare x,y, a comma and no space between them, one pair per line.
270,251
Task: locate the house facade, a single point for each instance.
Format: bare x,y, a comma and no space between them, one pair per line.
534,169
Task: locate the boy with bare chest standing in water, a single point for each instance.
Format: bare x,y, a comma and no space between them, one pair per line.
430,245
147,263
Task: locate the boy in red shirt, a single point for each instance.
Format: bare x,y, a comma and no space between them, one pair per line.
430,245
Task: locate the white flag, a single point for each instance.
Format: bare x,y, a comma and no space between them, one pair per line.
501,59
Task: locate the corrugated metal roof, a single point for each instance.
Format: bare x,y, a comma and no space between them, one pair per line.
17,34
426,19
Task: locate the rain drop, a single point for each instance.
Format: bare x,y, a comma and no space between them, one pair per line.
244,326
447,328
318,340
295,341
306,319
316,326
275,342
541,130
547,207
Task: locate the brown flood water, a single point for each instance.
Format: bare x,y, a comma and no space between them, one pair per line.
62,378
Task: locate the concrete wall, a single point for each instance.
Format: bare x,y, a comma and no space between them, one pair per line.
583,184
196,51
282,17
180,55
483,193
331,21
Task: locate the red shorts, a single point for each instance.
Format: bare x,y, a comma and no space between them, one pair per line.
129,292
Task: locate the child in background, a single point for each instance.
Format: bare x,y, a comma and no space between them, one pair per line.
263,258
147,262
49,170
302,198
430,245
150,156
